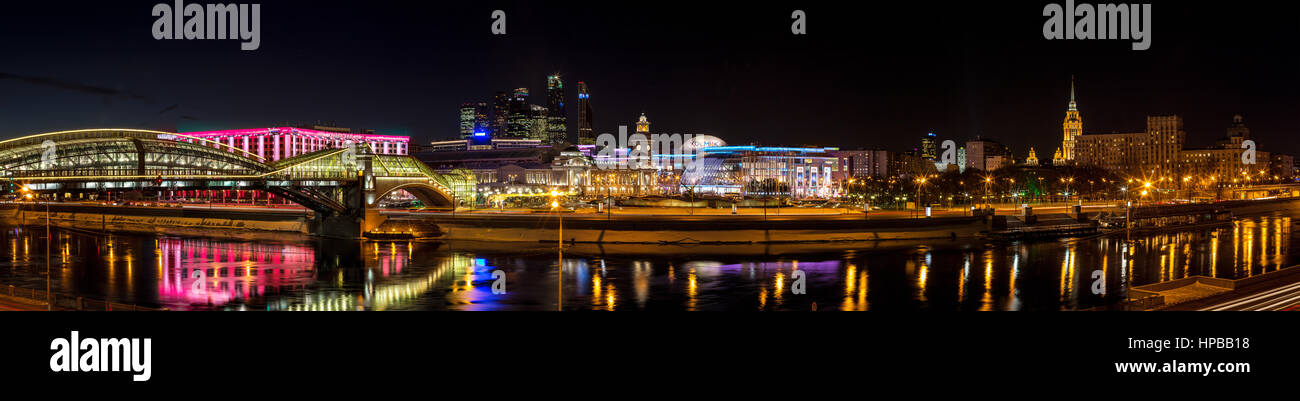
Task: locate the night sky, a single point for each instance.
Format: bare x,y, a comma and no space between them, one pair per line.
877,76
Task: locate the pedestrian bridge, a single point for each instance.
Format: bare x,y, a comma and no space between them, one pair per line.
338,184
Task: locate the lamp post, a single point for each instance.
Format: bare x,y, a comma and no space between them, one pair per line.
1128,218
1011,187
987,181
1041,192
919,183
777,190
49,304
559,263
849,193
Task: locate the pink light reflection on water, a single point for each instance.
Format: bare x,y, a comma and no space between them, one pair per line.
249,270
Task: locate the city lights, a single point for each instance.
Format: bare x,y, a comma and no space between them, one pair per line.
914,164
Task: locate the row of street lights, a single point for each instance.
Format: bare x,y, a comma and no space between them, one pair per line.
27,193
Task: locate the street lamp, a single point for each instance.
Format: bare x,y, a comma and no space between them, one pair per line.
49,304
609,206
559,262
919,183
555,205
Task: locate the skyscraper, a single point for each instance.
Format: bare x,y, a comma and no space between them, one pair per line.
537,124
929,149
466,120
585,134
518,123
500,112
481,122
556,120
1073,127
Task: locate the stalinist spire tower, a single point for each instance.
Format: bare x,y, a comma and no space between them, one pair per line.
1073,126
643,125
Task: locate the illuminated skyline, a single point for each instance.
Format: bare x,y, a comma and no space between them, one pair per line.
985,71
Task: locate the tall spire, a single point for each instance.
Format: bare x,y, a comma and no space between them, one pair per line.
1072,105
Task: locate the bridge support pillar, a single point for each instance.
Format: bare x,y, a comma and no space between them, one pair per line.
347,224
372,220
337,225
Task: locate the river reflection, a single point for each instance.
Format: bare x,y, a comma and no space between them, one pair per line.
297,274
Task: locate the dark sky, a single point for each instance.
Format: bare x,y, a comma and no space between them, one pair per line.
875,74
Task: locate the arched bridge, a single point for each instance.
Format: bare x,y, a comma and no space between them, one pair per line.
338,184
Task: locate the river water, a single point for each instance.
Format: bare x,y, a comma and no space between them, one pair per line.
298,273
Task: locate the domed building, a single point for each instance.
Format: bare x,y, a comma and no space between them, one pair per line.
702,141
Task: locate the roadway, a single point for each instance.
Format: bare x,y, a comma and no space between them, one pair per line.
675,212
159,205
262,213
656,214
1279,294
12,304
771,213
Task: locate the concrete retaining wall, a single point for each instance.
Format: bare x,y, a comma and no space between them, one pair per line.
155,224
721,231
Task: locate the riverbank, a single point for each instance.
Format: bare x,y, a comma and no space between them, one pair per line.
28,299
730,250
8,303
624,226
245,223
1193,292
1176,294
696,229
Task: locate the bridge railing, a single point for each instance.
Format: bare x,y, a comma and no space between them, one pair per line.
65,301
1144,212
297,175
106,173
109,174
